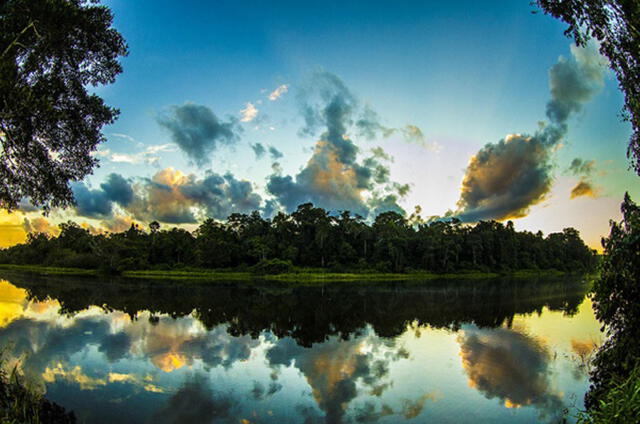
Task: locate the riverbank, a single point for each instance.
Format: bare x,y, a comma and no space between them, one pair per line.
300,275
21,404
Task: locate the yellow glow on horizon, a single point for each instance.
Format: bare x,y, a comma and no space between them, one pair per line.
12,303
581,327
11,229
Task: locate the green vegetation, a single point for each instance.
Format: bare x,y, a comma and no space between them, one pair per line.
616,301
20,404
294,275
308,238
620,404
48,270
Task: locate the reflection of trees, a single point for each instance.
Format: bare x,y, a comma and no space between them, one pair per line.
312,314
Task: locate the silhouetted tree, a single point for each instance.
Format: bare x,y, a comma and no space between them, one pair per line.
616,302
311,237
50,51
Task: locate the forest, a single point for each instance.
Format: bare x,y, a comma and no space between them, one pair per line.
310,237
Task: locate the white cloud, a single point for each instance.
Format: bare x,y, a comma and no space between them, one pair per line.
149,155
275,94
249,113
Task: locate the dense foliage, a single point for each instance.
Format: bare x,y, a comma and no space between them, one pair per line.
616,26
21,404
50,51
617,304
310,237
620,404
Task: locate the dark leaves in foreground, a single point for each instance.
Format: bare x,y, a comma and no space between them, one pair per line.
50,51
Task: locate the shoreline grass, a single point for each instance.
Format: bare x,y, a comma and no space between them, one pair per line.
19,403
301,275
49,270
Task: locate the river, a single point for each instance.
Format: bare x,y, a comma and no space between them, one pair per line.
117,351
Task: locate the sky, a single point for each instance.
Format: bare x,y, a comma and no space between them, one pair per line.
473,110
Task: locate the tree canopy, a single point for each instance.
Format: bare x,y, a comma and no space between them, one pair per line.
310,237
50,52
616,302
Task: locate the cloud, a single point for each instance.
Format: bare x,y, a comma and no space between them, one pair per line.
118,189
504,179
195,402
333,177
25,205
91,203
369,127
124,136
39,225
387,203
115,346
259,392
249,113
335,369
117,224
259,150
275,153
148,156
275,94
173,197
412,408
574,82
582,167
367,413
73,375
98,203
413,134
198,131
583,188
509,365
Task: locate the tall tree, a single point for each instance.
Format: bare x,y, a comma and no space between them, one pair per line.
616,297
50,52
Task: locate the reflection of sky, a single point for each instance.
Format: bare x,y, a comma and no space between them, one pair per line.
110,368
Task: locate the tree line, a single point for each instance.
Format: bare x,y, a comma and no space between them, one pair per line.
314,238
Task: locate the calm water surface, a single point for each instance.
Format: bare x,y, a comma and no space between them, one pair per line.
454,352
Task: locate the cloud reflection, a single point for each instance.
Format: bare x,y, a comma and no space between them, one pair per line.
335,369
509,365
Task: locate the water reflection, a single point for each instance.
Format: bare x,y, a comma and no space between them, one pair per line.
134,352
509,365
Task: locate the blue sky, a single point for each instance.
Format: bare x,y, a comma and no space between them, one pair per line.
465,73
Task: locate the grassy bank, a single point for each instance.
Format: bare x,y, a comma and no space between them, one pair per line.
20,404
620,404
297,275
48,270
